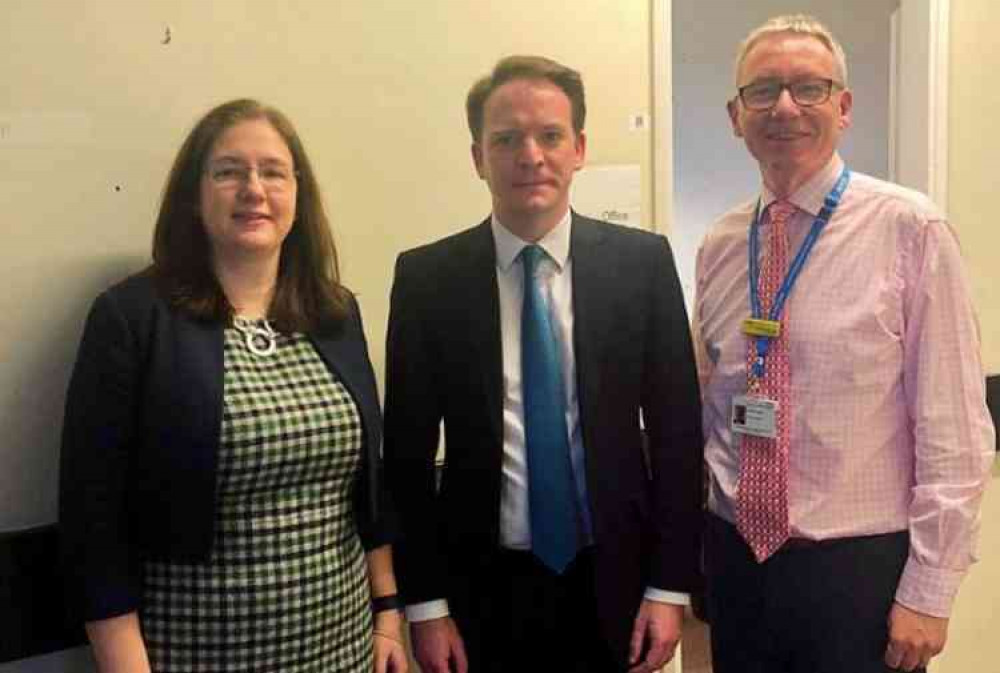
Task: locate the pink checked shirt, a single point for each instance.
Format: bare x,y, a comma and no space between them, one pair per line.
889,427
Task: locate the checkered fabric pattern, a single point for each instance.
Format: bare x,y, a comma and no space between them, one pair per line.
285,589
762,496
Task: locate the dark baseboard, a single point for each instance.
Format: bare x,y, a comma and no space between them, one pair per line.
32,608
993,402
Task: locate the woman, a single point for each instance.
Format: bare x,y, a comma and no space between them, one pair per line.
219,494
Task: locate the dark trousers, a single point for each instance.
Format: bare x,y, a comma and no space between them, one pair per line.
519,616
813,607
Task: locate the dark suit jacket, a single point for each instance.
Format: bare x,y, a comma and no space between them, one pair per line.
141,436
633,352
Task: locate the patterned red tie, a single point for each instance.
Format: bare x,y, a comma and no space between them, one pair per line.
762,492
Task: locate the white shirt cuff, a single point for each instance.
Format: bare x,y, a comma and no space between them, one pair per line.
422,612
661,596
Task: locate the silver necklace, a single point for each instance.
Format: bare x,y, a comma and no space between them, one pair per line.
259,336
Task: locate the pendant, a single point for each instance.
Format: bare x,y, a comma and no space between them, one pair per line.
261,341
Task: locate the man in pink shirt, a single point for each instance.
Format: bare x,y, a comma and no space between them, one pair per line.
847,436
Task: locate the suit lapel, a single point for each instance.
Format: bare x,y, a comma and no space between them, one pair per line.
344,357
482,306
339,358
593,297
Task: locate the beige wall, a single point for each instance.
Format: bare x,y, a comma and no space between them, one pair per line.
972,183
94,106
972,639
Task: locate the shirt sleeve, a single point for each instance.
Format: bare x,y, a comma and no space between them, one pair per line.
101,563
427,610
953,435
702,360
670,597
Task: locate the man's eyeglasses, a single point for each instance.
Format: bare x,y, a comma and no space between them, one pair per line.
274,177
764,94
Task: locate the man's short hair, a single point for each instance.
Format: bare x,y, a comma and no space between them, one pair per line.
531,68
800,24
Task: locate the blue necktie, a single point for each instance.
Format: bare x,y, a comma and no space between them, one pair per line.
551,494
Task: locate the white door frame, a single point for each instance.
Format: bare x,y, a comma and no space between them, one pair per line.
918,152
662,126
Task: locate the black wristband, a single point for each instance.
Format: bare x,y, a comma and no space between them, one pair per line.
383,603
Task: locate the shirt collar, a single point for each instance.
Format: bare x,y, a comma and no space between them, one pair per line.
810,196
555,243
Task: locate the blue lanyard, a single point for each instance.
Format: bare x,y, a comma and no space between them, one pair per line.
830,204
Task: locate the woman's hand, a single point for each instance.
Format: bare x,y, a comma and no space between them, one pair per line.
390,654
118,645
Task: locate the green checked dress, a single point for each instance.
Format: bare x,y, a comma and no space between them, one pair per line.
285,589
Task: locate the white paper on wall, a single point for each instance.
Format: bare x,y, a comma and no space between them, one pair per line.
611,192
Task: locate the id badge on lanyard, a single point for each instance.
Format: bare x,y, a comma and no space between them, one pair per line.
754,414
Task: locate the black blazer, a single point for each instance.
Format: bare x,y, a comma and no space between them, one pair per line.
141,436
633,352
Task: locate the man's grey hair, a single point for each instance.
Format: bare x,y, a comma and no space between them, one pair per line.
800,24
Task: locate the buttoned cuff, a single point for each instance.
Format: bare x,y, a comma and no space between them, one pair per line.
426,611
928,590
671,597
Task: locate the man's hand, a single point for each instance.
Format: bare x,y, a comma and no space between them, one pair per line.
438,647
655,635
914,638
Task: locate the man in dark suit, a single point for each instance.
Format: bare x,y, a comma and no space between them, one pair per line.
559,538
